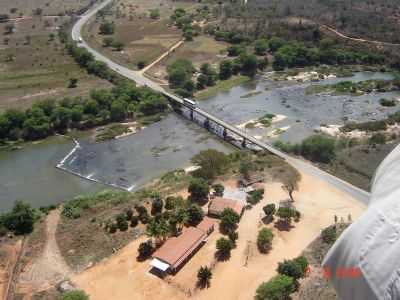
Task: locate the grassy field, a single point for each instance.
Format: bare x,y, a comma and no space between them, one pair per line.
145,39
35,65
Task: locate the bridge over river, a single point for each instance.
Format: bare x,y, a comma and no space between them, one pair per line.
229,129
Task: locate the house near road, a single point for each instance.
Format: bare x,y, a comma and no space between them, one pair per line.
176,251
218,204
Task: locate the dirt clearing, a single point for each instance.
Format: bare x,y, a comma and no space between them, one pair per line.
122,277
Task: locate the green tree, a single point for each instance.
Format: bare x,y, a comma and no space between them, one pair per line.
204,276
260,47
211,162
229,220
153,104
264,240
224,247
21,219
194,214
329,235
286,214
219,189
249,64
61,117
156,206
145,250
278,288
318,148
269,209
295,268
225,70
118,110
198,189
275,43
74,295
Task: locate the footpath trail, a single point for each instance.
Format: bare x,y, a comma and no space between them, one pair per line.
361,40
50,267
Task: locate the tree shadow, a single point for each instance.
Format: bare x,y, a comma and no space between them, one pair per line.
221,256
282,225
267,219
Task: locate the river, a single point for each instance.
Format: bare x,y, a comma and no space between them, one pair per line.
131,162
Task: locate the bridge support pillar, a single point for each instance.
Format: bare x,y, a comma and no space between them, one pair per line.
244,143
225,133
207,124
191,114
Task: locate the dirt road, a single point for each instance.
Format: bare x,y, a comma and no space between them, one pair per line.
50,267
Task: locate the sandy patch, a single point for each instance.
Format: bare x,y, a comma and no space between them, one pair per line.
309,76
257,124
334,130
122,277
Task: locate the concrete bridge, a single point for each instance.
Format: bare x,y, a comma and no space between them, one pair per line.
247,139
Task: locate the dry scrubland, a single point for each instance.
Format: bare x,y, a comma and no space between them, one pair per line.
145,39
203,49
49,7
35,65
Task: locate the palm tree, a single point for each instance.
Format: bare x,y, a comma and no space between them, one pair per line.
204,276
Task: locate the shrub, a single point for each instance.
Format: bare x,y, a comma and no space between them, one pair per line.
113,228
278,288
129,214
264,240
123,226
74,295
290,268
145,250
134,221
377,139
329,235
387,102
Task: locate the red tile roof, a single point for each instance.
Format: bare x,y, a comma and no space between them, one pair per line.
176,249
218,205
206,225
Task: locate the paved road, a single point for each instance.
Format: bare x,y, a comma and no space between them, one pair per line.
138,77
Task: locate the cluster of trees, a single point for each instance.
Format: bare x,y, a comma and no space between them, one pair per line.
319,148
20,220
286,282
168,219
212,163
103,106
180,72
183,20
296,54
228,225
86,60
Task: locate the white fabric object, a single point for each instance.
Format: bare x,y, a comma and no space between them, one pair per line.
371,245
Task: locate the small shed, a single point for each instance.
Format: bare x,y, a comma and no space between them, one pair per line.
254,178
